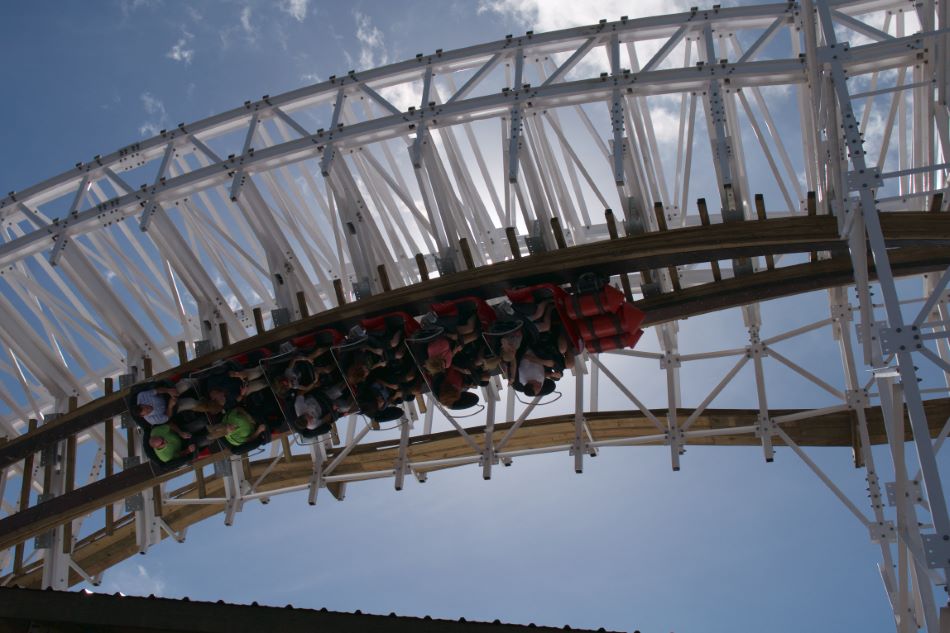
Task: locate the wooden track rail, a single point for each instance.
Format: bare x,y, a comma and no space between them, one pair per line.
99,551
918,234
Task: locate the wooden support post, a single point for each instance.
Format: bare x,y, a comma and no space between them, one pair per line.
936,203
147,366
383,278
334,434
660,214
337,489
285,444
611,224
423,269
558,233
258,320
704,218
200,480
157,500
25,487
70,486
47,475
182,353
466,254
421,403
225,337
338,289
856,441
109,452
302,304
513,242
760,213
130,438
246,466
812,205
612,231
70,479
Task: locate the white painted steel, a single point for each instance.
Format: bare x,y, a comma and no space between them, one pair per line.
84,296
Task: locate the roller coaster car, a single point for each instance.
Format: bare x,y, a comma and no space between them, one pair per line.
389,324
321,338
388,414
263,406
261,440
186,420
320,429
464,308
172,464
525,300
602,329
606,300
467,400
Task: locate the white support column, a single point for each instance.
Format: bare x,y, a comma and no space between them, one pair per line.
488,453
896,337
55,559
401,467
579,447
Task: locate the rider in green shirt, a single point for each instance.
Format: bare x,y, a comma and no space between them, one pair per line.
166,443
241,427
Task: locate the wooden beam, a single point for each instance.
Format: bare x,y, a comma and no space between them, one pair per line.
704,220
97,552
683,246
760,212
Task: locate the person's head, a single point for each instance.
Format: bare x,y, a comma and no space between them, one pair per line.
218,396
281,385
509,347
156,442
491,363
538,388
143,410
307,422
358,371
449,393
533,387
434,365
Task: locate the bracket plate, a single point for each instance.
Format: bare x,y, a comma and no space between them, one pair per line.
937,550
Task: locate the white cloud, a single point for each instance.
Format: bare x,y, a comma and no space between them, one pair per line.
372,49
246,21
245,27
157,116
311,78
133,582
180,52
666,124
295,8
403,95
131,6
550,15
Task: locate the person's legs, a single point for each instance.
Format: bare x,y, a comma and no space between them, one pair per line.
201,406
544,324
217,431
256,385
251,373
185,384
467,329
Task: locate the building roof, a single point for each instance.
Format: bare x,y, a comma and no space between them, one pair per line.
129,614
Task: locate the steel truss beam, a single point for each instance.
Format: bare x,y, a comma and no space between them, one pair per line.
226,237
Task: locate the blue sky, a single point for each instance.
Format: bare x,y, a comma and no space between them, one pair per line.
728,543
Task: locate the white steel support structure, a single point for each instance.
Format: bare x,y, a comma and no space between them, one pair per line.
254,208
